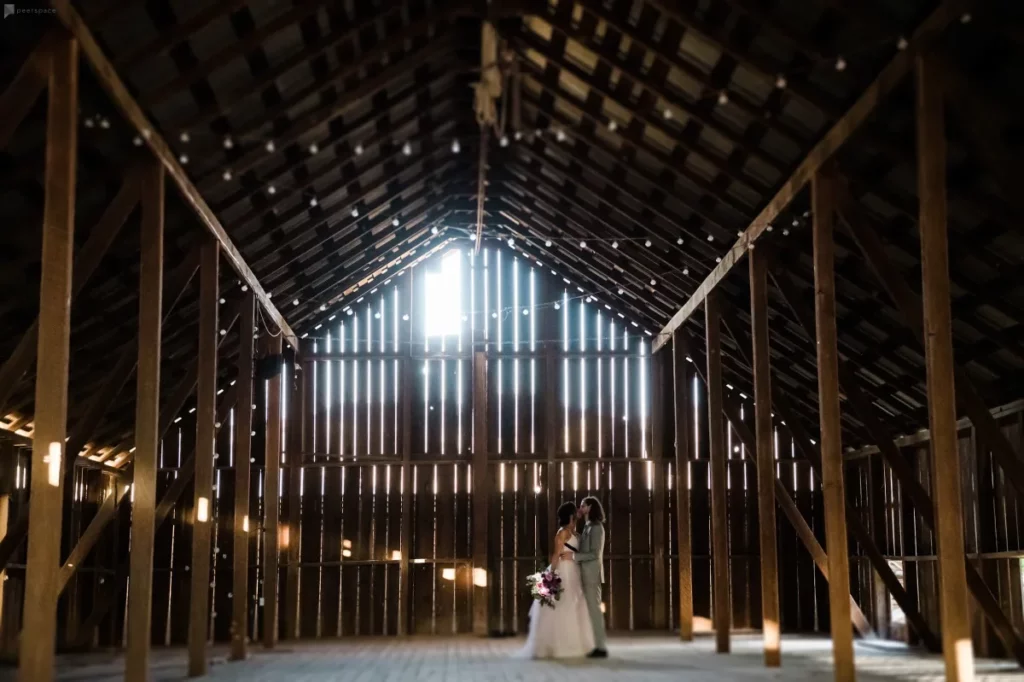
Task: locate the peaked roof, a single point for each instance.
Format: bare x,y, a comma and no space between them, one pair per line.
323,135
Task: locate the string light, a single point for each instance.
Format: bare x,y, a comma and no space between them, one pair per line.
840,64
723,98
312,202
503,141
407,149
270,146
781,82
548,243
183,159
89,123
965,18
902,44
227,174
560,135
667,114
184,137
137,141
358,150
711,237
394,221
355,212
105,123
433,230
456,148
615,245
679,241
295,302
313,149
653,282
583,245
647,243
271,190
612,126
228,143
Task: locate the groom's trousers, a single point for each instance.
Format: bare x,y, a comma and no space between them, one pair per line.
592,595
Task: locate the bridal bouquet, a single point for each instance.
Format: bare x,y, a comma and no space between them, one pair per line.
546,587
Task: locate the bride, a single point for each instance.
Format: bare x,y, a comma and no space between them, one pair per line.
563,631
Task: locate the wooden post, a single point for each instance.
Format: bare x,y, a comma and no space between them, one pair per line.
408,373
299,424
765,454
8,483
39,628
147,423
823,193
682,387
481,497
243,449
719,509
272,500
659,413
938,343
206,435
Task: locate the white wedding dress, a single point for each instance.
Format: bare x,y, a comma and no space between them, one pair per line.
563,631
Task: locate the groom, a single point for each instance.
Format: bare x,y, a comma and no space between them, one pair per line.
590,558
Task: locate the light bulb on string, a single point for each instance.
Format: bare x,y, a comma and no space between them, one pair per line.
312,202
105,123
723,98
653,282
137,141
840,64
271,190
184,137
679,241
548,243
228,143
183,159
902,44
270,147
227,175
456,148
313,149
612,126
647,243
615,245
503,141
407,149
355,212
560,135
781,82
394,221
667,113
358,150
295,302
511,242
433,230
583,245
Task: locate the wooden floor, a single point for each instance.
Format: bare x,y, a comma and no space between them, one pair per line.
638,659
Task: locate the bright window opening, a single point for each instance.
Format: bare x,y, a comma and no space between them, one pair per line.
444,297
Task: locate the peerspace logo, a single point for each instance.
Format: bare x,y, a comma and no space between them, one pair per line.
10,10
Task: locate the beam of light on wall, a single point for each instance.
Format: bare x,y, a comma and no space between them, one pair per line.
245,523
203,510
448,574
52,459
444,297
396,555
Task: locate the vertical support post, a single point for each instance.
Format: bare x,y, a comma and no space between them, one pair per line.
719,509
938,342
659,413
408,370
481,497
243,448
823,202
682,387
299,402
8,482
272,500
765,455
206,435
147,426
36,661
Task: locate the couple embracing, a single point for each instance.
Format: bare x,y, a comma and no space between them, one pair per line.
575,626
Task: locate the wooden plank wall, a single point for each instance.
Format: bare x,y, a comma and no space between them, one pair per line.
569,415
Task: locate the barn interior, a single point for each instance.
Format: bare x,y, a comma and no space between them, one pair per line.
385,282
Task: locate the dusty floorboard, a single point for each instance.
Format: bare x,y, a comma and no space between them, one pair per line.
638,659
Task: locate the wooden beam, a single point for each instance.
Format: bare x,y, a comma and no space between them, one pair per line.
135,116
272,502
910,306
719,502
481,187
823,205
301,400
803,530
88,539
910,486
888,80
765,455
36,657
147,426
481,497
163,510
659,412
24,90
243,448
86,261
957,648
206,436
408,369
682,391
